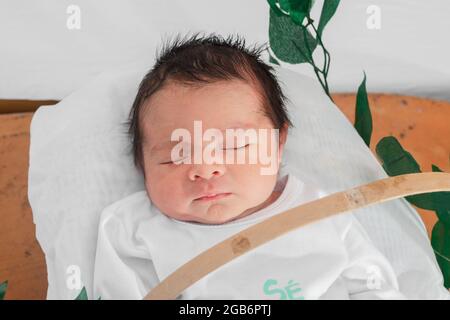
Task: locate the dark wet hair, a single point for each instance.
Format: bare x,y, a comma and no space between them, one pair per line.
198,59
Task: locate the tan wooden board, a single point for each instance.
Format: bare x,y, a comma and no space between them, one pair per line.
22,261
421,125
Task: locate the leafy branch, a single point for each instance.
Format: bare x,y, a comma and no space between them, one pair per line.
3,287
83,295
291,23
292,42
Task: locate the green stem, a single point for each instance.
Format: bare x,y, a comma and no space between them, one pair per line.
317,71
326,55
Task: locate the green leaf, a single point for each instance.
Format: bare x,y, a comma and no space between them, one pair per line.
298,17
427,201
287,40
3,287
82,295
328,10
397,161
440,241
273,60
274,7
298,9
285,5
441,202
363,117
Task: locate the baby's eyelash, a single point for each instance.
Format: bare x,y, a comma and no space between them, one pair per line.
239,147
170,162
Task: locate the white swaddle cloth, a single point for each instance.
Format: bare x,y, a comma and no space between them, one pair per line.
138,246
75,174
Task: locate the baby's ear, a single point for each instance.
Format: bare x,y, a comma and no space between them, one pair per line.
283,134
282,138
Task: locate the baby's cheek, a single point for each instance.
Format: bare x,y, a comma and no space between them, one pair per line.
262,186
250,182
156,189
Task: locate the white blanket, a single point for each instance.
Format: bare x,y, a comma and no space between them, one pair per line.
80,164
138,247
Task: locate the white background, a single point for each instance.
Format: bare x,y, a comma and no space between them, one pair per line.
40,58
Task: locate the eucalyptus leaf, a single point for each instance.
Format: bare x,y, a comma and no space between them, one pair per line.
297,17
397,161
285,5
287,40
303,6
440,241
441,202
428,201
328,10
82,295
3,287
273,60
444,216
298,9
274,7
363,117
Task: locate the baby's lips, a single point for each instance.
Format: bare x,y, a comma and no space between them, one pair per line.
212,195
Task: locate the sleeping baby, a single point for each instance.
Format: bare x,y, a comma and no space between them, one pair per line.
208,127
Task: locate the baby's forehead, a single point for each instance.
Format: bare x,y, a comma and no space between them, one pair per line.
220,105
199,129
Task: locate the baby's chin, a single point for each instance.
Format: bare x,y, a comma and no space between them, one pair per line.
216,213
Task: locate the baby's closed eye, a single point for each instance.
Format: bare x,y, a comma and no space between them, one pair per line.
181,159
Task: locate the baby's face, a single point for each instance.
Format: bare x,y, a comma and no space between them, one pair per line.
178,189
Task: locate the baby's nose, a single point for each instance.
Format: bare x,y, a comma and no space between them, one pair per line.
206,171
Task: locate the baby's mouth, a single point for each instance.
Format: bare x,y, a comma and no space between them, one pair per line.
213,196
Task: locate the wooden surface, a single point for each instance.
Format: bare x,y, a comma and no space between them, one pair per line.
422,126
22,106
21,258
